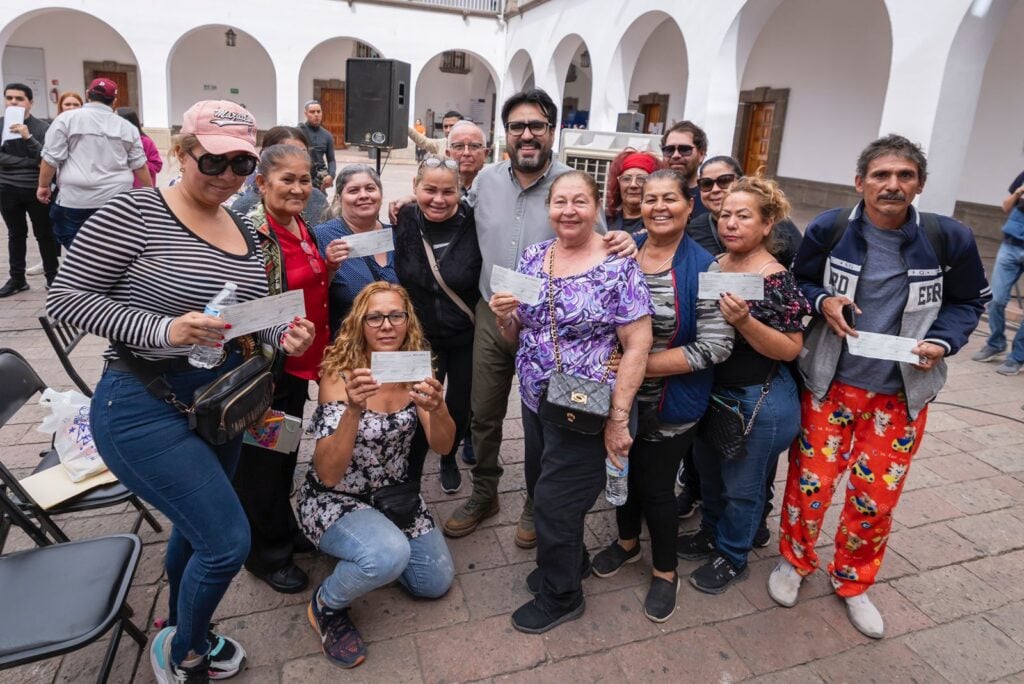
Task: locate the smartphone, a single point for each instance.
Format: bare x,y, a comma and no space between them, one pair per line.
850,315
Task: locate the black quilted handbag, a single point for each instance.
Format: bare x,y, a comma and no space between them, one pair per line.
723,427
570,401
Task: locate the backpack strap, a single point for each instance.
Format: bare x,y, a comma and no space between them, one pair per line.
838,228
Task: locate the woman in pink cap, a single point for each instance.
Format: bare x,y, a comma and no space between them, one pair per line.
143,269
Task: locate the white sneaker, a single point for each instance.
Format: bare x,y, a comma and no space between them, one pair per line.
865,617
784,584
35,270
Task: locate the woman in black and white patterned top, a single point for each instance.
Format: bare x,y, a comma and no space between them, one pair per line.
141,271
364,432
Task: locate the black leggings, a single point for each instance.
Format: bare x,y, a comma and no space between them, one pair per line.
652,476
455,364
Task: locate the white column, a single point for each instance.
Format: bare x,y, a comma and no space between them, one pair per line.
288,106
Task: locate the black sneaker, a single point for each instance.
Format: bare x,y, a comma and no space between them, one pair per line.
226,656
686,503
468,456
661,599
716,575
763,537
13,286
696,546
533,579
451,478
607,562
532,619
339,638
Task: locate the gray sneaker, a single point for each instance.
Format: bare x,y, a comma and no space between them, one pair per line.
986,354
1009,367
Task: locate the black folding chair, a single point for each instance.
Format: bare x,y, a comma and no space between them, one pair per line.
64,337
21,383
60,597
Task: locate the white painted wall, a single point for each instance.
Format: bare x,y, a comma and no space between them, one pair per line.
837,81
581,88
326,61
202,59
996,152
444,92
662,68
60,35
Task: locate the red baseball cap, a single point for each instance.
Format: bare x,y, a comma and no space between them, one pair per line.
104,87
221,127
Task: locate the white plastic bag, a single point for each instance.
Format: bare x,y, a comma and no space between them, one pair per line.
68,422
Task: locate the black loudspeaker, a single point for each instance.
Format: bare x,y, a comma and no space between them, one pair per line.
377,93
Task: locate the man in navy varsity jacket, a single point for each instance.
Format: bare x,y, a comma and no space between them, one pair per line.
883,268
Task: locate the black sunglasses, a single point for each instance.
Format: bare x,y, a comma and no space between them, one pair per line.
683,150
536,127
215,164
723,181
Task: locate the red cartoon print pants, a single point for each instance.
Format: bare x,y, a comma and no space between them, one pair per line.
872,436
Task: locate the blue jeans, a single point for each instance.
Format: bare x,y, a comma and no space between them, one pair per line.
733,491
372,553
147,443
67,221
1008,268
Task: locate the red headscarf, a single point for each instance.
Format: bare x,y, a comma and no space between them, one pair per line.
640,160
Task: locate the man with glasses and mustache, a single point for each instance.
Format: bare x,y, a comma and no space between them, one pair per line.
95,154
884,268
683,147
467,145
509,200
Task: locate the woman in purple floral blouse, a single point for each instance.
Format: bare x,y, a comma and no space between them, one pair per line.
601,302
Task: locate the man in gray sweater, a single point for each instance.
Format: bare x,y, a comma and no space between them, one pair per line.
19,174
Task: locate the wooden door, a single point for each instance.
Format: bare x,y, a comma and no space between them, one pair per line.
652,115
332,101
121,79
759,135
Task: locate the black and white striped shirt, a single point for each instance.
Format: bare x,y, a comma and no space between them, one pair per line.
135,267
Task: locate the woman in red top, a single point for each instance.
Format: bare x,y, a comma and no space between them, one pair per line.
264,477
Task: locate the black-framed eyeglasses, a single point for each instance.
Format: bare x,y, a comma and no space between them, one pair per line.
437,162
312,257
683,150
215,164
723,182
395,318
536,127
638,179
462,147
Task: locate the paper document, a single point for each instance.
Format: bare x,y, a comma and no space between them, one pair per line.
53,485
12,116
401,366
748,286
527,289
263,313
886,347
368,244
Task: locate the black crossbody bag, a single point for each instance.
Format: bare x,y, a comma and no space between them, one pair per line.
400,503
723,427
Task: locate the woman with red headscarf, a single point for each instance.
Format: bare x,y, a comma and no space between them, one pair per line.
626,176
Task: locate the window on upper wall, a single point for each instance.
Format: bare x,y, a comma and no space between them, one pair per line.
364,51
455,62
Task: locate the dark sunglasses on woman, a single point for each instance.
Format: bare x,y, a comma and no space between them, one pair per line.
723,182
215,164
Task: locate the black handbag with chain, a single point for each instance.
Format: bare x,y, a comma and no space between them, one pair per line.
570,401
723,427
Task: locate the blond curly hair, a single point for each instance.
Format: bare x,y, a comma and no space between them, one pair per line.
349,351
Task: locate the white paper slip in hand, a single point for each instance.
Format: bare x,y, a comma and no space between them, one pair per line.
263,313
526,288
401,366
884,347
13,116
747,286
369,243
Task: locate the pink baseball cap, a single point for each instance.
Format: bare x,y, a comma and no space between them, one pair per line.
221,127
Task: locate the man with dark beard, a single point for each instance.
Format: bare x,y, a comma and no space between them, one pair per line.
509,199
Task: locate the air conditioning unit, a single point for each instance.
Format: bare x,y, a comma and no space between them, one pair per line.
593,151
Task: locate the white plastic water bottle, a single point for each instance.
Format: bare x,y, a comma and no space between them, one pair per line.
617,489
208,357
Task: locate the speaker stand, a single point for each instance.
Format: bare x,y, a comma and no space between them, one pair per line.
378,161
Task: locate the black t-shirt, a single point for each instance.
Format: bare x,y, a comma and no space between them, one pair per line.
440,235
630,225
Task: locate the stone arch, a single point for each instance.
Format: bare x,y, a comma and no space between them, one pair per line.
570,72
470,86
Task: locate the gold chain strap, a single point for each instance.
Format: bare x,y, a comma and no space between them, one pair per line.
554,327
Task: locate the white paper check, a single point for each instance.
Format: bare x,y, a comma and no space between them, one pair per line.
401,366
12,115
266,312
748,286
886,347
370,243
526,288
